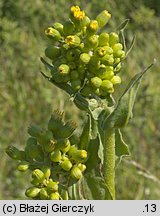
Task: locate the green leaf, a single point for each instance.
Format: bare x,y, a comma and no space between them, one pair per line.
93,159
131,46
123,25
121,34
85,136
64,86
123,111
81,102
121,148
50,67
93,187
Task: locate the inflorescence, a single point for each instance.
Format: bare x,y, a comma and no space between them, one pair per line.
51,157
81,57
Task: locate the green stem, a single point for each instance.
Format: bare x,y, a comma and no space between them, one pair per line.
109,160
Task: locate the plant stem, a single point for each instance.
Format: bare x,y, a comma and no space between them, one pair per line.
109,160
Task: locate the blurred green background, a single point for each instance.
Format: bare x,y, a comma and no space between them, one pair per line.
25,96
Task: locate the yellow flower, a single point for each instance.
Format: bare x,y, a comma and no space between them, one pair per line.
75,9
93,25
77,13
107,14
72,40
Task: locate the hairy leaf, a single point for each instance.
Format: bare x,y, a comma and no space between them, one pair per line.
93,187
121,148
85,136
123,111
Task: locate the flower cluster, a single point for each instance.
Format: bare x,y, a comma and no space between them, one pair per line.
51,156
81,57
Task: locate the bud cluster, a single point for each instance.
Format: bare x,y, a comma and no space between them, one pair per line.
81,57
43,187
51,156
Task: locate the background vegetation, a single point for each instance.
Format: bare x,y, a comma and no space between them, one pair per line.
25,96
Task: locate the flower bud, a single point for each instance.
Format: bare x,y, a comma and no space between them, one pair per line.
76,173
45,182
85,21
101,51
66,165
105,72
62,143
32,149
53,34
52,187
63,69
35,182
113,38
74,75
72,150
116,80
93,65
38,174
119,54
85,58
68,27
123,54
43,194
103,39
67,130
107,59
72,54
55,122
14,153
103,18
108,49
32,192
52,52
76,84
72,40
34,130
92,41
92,27
107,86
59,27
79,155
117,47
72,65
96,82
65,148
82,167
55,156
54,196
50,146
45,137
64,157
47,171
23,166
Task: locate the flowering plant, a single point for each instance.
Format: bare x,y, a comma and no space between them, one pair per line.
85,64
